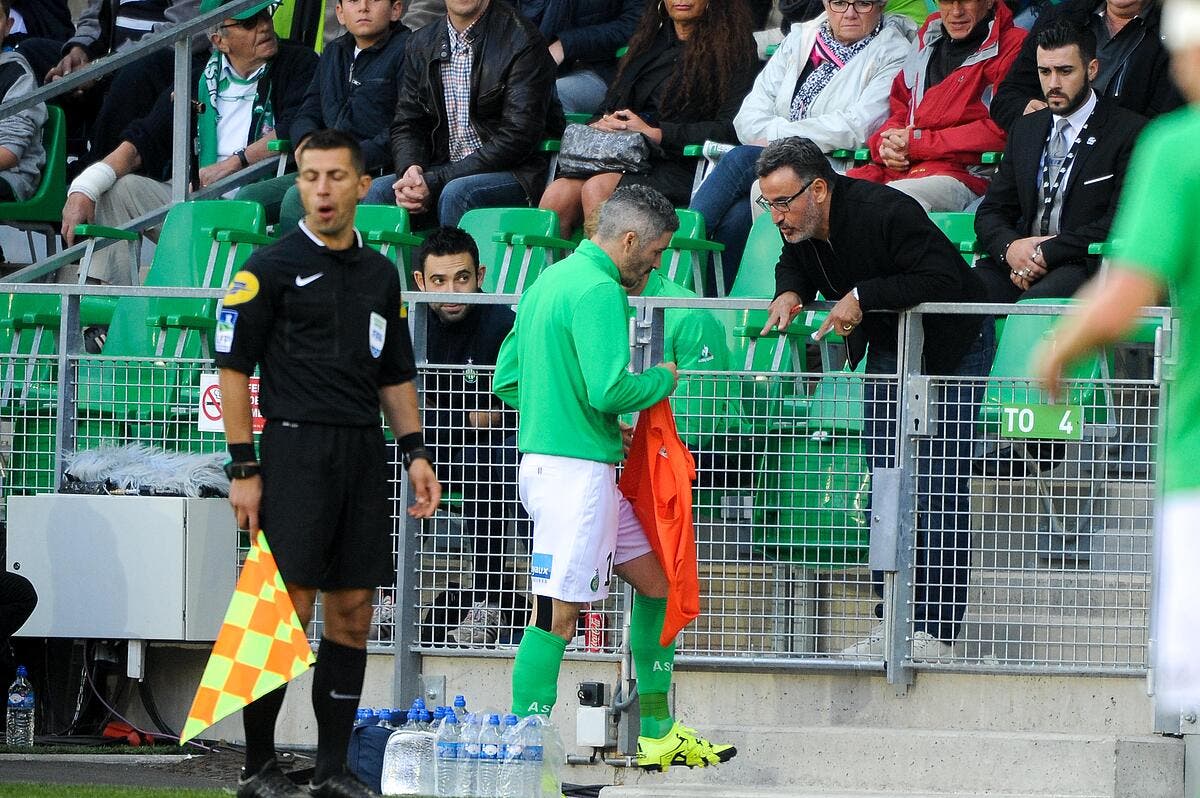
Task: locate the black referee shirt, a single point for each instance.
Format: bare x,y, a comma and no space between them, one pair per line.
324,326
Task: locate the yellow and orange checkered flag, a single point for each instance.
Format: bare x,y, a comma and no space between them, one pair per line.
261,645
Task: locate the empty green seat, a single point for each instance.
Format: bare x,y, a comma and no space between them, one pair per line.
960,229
385,228
515,244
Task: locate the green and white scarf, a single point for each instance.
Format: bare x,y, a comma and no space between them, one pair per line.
212,82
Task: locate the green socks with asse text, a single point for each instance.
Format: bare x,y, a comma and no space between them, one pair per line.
535,672
654,663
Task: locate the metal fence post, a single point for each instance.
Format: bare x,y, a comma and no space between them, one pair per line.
181,139
70,346
406,666
898,599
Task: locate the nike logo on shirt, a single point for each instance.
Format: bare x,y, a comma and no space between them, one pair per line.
303,281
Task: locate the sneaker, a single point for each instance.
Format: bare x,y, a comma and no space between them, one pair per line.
343,785
269,782
869,646
681,746
925,646
481,626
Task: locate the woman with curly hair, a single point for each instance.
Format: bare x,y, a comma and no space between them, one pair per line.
690,63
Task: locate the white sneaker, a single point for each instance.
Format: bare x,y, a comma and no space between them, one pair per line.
869,646
480,626
926,647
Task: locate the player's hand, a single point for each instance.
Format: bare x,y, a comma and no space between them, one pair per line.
1048,366
781,312
674,372
246,496
427,491
78,210
626,438
845,316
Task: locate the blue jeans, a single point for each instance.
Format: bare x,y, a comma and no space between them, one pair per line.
581,91
943,541
485,190
724,202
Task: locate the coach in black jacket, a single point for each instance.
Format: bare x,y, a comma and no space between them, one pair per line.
1135,64
872,248
511,109
1035,247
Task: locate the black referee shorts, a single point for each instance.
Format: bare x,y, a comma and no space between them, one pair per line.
326,507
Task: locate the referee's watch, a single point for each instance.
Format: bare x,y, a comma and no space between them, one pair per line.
242,470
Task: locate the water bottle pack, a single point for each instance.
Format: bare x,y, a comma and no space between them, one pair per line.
464,754
19,714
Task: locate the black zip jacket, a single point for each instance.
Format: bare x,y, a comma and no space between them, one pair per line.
291,71
882,243
356,95
513,105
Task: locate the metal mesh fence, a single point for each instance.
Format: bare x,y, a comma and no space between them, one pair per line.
1036,550
1030,551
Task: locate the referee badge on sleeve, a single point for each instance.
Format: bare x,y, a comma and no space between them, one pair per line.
223,337
377,334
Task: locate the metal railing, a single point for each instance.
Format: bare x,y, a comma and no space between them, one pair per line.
1035,544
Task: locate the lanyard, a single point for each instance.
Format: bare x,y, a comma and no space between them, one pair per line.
1050,190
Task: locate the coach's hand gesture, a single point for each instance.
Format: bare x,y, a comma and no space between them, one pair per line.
782,311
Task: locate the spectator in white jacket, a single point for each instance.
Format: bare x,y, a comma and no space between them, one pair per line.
829,81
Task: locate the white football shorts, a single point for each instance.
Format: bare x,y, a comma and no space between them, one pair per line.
582,526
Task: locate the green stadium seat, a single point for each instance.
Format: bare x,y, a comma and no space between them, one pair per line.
385,228
503,233
960,229
42,212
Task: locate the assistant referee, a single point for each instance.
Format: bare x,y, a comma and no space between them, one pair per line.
320,315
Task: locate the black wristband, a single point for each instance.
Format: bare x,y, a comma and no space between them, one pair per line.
412,447
241,155
242,453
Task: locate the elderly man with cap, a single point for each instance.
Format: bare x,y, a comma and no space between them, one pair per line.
248,91
1156,248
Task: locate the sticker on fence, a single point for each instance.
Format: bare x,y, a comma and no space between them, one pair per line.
1050,422
209,417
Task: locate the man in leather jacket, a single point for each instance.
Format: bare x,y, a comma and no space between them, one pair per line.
476,100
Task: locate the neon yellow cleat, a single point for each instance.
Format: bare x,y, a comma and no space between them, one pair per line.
681,746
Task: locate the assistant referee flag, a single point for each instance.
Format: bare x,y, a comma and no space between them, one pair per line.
261,645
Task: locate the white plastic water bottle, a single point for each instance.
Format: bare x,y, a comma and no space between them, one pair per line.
489,758
438,714
460,707
446,765
468,754
532,756
408,762
19,725
553,757
511,781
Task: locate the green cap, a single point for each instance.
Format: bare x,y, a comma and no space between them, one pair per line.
213,5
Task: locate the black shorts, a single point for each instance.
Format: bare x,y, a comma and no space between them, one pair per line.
326,508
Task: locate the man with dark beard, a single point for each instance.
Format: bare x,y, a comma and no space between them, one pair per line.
1057,187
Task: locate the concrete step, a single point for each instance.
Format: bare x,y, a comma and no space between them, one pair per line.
934,762
707,791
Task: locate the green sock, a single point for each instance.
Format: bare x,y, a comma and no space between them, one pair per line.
535,672
654,664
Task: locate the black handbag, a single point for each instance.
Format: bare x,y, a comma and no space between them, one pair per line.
586,151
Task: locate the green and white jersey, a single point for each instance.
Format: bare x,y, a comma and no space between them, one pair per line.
1157,232
565,365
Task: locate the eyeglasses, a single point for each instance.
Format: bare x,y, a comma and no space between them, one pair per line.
861,6
781,205
250,23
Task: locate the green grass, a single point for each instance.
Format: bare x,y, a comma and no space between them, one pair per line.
63,791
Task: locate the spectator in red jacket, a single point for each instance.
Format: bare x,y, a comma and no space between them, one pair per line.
929,146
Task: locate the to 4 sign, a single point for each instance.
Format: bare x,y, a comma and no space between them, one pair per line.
1051,422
